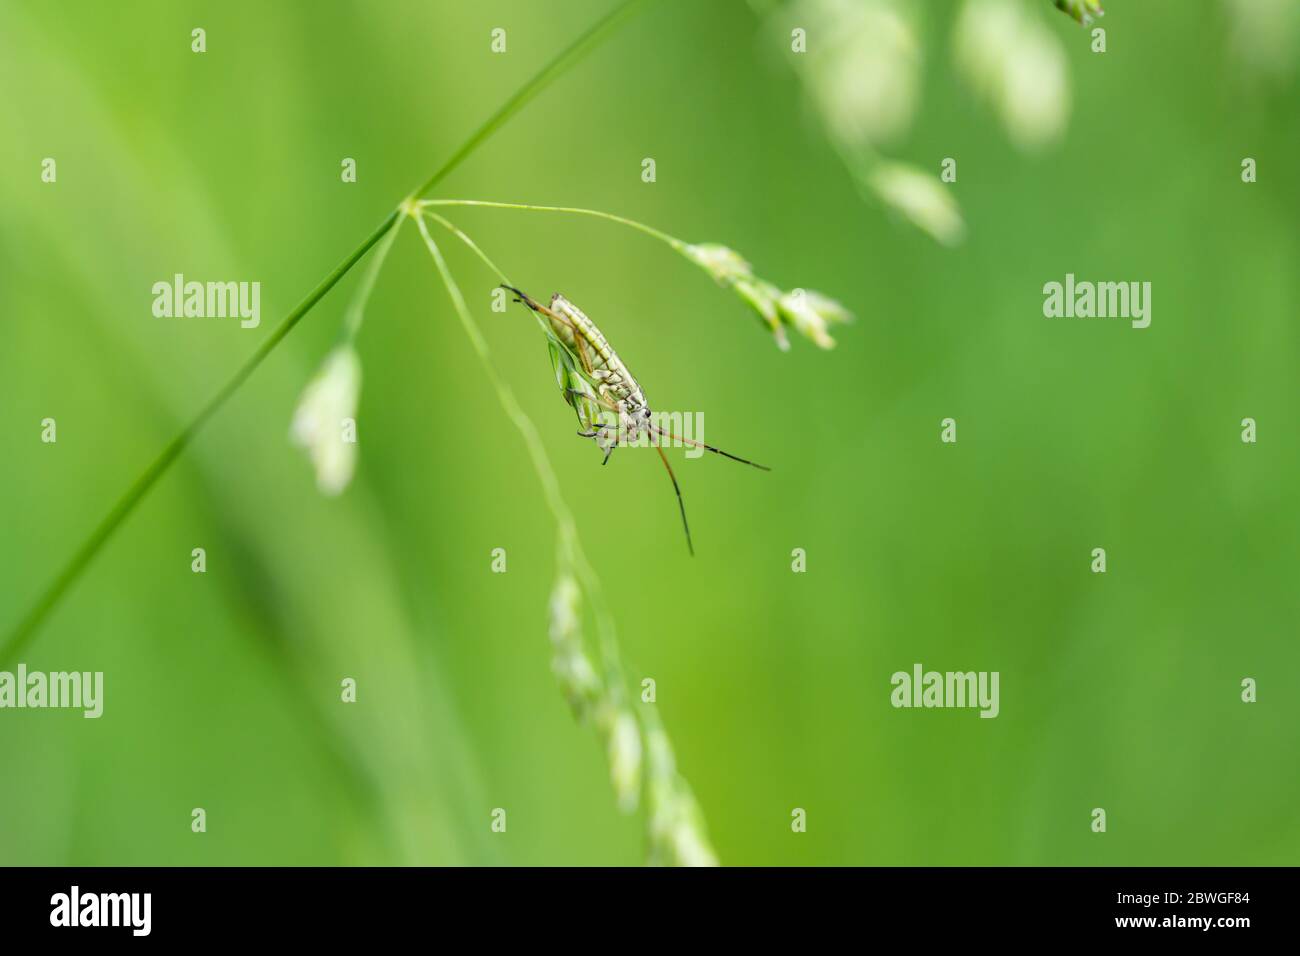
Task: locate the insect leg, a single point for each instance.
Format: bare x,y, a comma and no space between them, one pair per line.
700,444
680,504
604,402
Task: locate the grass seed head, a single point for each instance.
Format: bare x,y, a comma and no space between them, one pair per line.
920,198
1082,10
675,825
725,265
578,680
809,313
1014,60
623,745
318,427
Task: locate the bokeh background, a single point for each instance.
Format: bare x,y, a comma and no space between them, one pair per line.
1119,690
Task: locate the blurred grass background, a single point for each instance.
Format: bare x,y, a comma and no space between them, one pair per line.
1118,690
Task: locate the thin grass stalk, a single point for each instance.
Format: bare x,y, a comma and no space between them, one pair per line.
807,311
675,827
569,545
356,311
20,637
564,519
677,244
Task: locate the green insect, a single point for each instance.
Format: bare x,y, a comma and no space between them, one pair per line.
597,384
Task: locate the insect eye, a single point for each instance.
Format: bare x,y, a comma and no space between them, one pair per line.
647,413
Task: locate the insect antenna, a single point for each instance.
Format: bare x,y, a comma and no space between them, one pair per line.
538,307
523,296
680,504
716,451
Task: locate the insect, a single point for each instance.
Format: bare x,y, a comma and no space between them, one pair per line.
603,383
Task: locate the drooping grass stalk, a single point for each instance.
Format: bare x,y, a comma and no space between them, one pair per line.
17,640
356,311
675,829
809,312
569,548
505,279
677,244
569,554
456,231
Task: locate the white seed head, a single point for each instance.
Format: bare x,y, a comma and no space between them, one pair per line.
624,749
578,680
1018,64
864,76
564,610
764,298
329,399
675,825
810,313
689,846
724,264
920,198
1082,10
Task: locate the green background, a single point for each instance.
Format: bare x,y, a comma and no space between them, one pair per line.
1119,690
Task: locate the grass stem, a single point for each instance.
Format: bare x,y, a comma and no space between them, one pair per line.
20,637
673,241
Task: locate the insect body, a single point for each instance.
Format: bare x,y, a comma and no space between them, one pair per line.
615,389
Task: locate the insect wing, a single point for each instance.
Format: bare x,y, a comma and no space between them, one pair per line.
575,389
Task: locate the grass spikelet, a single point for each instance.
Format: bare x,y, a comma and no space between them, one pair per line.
320,423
